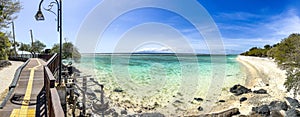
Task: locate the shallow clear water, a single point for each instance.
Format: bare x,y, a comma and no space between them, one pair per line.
162,78
158,81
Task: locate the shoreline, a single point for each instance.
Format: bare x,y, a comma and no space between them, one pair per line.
268,75
262,73
7,75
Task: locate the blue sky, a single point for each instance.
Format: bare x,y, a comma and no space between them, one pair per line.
242,24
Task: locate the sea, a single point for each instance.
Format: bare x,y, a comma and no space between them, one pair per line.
162,78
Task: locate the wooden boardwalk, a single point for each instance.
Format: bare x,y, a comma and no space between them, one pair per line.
24,98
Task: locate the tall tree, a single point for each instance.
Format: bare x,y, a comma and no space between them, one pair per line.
68,51
37,47
267,47
7,10
24,47
55,48
288,51
4,46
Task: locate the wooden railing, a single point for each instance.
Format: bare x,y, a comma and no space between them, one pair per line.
53,63
53,101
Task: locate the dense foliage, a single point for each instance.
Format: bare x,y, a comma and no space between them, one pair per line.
68,51
24,47
35,47
4,46
7,10
260,52
287,55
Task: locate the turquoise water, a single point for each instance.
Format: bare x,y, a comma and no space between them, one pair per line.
160,77
143,69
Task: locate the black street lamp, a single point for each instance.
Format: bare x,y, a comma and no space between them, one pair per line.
40,17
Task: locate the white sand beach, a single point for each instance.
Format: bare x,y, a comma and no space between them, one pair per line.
6,76
262,73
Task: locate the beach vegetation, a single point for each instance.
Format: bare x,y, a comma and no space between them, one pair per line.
24,47
287,52
68,51
292,82
8,8
37,47
34,48
4,46
256,51
287,55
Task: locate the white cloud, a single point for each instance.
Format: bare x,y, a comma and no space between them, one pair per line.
154,50
278,25
269,31
238,16
285,24
246,43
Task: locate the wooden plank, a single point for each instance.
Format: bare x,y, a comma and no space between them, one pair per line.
56,106
31,80
29,83
49,78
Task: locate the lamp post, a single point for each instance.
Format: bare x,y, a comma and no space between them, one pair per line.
40,17
14,37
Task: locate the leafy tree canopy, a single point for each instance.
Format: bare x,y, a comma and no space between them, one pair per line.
37,47
24,47
68,51
255,51
4,46
7,10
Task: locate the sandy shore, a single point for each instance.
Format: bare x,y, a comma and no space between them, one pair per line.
6,76
262,73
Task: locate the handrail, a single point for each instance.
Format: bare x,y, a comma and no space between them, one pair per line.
53,100
53,62
49,78
57,110
13,84
17,75
52,58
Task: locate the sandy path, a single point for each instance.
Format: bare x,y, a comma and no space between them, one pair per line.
7,75
253,76
269,73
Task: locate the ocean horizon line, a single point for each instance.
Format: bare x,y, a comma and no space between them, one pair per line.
200,54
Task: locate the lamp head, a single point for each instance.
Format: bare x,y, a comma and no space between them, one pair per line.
39,16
